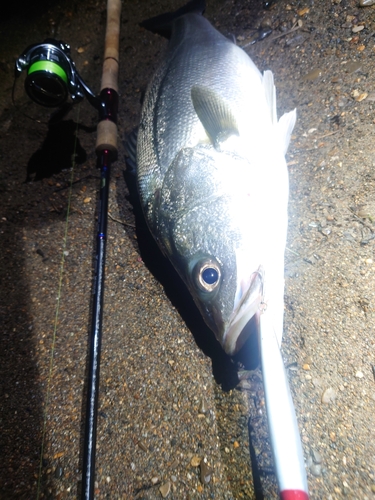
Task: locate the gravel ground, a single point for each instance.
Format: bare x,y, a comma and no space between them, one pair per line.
174,415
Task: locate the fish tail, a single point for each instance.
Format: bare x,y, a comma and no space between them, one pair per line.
162,24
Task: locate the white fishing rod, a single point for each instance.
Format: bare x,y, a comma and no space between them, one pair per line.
282,423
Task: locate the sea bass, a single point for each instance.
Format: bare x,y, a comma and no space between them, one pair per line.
212,176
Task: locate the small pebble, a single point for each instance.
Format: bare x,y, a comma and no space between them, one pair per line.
342,102
206,472
195,461
165,489
366,3
296,40
326,231
317,457
59,472
87,200
316,470
312,75
361,97
303,11
329,395
142,445
154,480
353,66
246,385
203,408
359,374
357,29
355,93
293,367
266,23
316,382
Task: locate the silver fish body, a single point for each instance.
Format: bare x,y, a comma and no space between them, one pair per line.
212,177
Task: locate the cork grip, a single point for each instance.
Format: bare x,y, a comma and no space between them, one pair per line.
107,129
111,51
106,136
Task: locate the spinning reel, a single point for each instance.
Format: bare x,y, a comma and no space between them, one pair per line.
52,75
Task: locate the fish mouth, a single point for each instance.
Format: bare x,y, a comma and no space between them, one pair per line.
236,332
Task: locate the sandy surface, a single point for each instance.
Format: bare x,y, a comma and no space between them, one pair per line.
169,397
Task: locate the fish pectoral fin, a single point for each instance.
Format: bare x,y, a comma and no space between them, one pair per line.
215,114
285,128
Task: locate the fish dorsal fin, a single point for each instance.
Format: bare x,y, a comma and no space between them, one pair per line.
286,123
215,114
285,128
162,24
270,92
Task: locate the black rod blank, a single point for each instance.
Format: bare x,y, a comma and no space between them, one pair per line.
106,149
88,469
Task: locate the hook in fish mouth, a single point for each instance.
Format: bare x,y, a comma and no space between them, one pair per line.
251,302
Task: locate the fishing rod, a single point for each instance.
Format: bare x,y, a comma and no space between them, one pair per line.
282,423
52,78
106,150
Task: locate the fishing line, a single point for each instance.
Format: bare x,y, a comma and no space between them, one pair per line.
51,365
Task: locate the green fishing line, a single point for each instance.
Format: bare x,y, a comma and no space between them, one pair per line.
64,245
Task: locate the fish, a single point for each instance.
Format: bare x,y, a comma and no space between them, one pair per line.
212,176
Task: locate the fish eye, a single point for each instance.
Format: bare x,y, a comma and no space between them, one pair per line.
207,275
210,275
